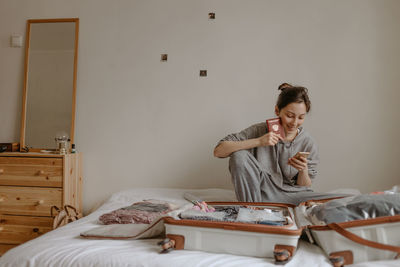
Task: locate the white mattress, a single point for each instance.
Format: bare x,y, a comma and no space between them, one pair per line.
64,246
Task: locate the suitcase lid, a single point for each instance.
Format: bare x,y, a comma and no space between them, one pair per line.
303,221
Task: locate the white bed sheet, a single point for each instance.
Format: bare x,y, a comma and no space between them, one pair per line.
65,247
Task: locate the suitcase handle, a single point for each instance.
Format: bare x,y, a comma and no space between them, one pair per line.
353,237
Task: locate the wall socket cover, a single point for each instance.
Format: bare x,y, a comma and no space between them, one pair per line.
16,40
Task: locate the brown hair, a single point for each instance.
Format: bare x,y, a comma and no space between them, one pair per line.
292,94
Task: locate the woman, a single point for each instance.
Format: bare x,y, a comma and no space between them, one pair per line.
261,163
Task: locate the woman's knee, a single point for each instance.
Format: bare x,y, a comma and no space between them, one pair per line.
238,159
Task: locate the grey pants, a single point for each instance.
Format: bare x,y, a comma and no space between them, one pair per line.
252,184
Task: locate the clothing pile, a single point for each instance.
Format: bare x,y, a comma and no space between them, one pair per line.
140,212
238,214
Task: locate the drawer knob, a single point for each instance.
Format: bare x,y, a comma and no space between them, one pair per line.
1,228
2,199
40,202
1,171
41,172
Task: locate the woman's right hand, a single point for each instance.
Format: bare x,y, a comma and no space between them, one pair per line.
269,139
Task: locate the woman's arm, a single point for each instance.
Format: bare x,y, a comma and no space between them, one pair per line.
226,148
303,179
300,163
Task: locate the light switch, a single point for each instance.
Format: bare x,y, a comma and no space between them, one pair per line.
16,41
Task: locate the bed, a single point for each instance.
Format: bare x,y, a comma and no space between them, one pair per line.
65,247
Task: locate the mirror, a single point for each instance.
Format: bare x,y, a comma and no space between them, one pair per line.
48,107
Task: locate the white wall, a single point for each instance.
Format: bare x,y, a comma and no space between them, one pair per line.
142,122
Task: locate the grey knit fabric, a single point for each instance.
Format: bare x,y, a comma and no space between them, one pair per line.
262,174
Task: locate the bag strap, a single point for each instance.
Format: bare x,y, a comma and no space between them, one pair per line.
54,210
71,212
59,218
66,207
58,221
353,237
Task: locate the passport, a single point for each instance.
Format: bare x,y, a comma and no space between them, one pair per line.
274,125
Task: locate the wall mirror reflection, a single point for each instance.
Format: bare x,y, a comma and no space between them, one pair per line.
51,56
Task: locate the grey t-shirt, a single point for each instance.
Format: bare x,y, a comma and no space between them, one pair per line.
274,159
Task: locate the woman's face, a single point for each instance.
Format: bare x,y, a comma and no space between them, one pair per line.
292,116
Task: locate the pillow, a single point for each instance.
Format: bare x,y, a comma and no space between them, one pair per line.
170,194
214,194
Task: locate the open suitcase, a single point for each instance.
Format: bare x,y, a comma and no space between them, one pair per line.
354,241
344,243
237,238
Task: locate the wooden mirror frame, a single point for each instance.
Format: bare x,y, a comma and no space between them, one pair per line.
26,68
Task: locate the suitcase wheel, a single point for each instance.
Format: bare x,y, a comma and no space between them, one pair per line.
281,256
166,250
162,242
283,253
167,245
179,241
337,261
341,258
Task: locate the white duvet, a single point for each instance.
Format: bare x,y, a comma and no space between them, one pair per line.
65,247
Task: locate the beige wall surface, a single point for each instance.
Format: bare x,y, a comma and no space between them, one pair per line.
145,123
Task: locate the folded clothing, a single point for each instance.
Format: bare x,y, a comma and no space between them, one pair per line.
231,212
237,214
355,208
140,212
264,216
194,214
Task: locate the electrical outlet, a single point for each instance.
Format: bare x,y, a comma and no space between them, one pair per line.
16,40
211,15
164,57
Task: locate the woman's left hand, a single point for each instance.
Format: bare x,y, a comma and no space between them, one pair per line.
299,163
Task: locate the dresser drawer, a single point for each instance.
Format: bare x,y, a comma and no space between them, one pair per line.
31,171
19,229
5,247
16,200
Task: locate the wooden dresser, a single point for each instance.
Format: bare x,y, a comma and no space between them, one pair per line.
30,183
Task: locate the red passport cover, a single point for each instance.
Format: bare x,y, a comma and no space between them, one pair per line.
274,125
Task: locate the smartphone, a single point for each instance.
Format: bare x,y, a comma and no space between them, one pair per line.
302,154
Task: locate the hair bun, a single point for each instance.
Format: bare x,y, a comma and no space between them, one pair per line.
284,86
